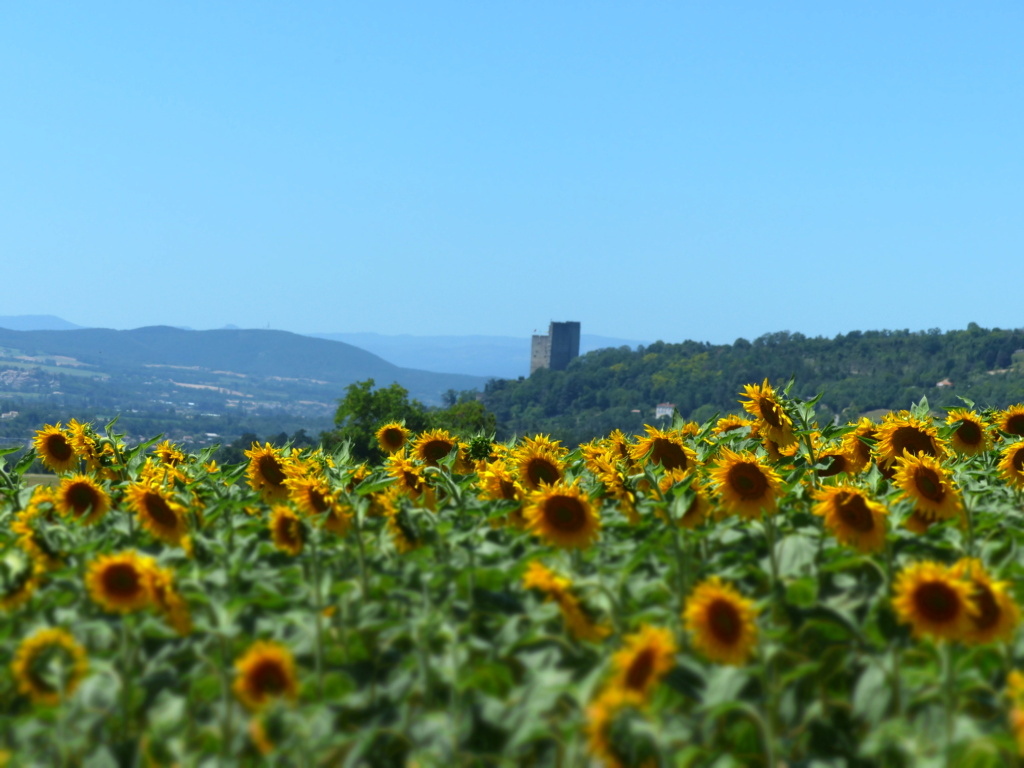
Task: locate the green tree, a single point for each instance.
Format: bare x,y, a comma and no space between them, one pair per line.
465,419
364,410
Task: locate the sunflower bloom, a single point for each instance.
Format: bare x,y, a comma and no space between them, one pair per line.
972,436
392,437
409,476
267,472
119,583
558,589
82,498
732,423
49,665
539,462
765,406
158,513
934,601
168,601
747,486
1015,693
857,451
55,448
923,480
852,517
721,622
996,615
602,716
265,672
287,530
1011,421
902,433
562,515
432,446
665,448
699,508
647,656
1011,464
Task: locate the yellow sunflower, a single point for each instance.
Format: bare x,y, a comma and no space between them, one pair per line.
120,583
29,525
311,494
265,672
972,436
54,448
664,448
699,508
603,734
409,475
168,601
838,460
933,601
168,453
765,406
747,486
1011,464
82,498
996,615
922,480
432,446
721,622
392,437
538,463
1011,421
647,656
404,532
562,515
497,482
579,620
267,472
852,517
903,432
732,423
858,452
287,530
158,513
49,665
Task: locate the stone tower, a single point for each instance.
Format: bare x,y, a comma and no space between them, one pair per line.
555,349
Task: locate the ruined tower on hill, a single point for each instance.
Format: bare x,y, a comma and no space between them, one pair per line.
555,349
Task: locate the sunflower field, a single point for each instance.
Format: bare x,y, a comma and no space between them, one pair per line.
758,590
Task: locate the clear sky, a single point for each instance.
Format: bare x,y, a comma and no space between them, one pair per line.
655,170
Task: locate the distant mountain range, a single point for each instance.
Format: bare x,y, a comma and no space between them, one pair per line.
237,365
503,357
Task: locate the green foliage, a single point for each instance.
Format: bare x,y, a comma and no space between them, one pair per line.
859,372
364,410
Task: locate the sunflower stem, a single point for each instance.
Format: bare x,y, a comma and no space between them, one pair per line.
770,536
681,576
357,515
126,677
949,680
228,701
767,720
318,617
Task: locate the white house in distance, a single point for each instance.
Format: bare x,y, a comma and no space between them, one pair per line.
664,410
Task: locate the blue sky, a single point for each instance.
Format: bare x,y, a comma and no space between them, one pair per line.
654,170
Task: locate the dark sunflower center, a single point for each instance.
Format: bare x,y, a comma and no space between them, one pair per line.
748,481
928,484
937,602
160,511
507,488
854,512
565,514
838,465
289,531
58,447
540,470
724,622
393,438
122,580
1018,460
771,411
988,609
271,471
668,453
82,497
1015,424
640,671
435,450
269,678
912,439
317,500
969,433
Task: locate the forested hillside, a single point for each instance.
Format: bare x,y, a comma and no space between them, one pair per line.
858,372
